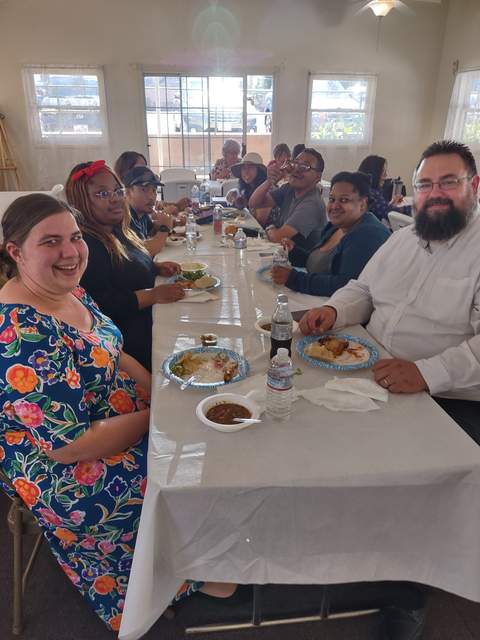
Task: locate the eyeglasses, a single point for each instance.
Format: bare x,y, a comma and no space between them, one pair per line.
447,184
291,165
342,200
108,195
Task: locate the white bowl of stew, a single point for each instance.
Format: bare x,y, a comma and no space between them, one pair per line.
219,410
264,325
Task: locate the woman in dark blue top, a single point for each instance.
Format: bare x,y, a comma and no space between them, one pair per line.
120,275
376,168
343,247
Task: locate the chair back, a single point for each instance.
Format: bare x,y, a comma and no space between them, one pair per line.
398,220
178,183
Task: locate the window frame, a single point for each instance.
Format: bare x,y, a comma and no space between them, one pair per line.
33,108
153,70
458,110
369,109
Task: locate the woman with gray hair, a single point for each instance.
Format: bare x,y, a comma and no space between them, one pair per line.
230,156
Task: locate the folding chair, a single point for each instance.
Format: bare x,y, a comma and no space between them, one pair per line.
21,522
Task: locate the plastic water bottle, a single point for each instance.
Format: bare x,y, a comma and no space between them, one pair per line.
217,220
282,327
204,192
191,233
279,387
240,239
195,195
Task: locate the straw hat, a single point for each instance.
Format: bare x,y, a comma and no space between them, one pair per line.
249,158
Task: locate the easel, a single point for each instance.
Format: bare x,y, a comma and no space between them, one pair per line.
8,169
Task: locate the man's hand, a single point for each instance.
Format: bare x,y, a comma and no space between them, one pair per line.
318,320
167,269
288,244
160,218
280,274
274,173
166,293
399,376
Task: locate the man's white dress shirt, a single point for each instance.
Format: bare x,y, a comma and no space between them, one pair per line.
422,303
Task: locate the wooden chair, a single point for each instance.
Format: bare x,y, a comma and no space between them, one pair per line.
21,522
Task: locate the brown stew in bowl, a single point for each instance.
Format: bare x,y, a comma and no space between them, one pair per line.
226,412
267,326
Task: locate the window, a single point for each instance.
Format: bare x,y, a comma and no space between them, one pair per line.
67,106
189,118
341,110
463,120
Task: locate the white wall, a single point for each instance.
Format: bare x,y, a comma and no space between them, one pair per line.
292,37
462,43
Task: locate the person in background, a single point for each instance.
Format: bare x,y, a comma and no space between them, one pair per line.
281,154
376,168
420,293
127,161
75,407
120,275
301,209
344,246
230,156
142,184
251,172
298,149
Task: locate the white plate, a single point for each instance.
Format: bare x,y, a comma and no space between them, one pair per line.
219,398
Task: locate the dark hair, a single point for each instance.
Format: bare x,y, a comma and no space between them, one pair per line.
282,147
313,152
77,196
245,189
447,147
359,181
127,161
374,167
20,217
298,148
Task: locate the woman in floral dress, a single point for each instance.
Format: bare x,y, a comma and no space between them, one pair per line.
74,406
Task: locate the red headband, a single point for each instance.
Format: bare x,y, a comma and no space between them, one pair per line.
89,171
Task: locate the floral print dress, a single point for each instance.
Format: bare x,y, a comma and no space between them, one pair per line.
54,381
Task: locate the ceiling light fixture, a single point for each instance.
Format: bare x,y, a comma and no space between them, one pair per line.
381,8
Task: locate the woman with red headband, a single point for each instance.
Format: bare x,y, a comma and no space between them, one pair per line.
120,275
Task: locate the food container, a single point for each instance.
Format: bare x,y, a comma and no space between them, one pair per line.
193,270
208,339
260,325
220,398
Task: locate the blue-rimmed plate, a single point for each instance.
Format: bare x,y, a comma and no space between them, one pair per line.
233,356
217,283
361,353
264,274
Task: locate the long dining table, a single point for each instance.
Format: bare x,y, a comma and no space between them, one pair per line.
329,497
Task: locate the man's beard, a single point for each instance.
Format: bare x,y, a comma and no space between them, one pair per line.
443,225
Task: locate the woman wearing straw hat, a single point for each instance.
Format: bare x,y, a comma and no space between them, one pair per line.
251,172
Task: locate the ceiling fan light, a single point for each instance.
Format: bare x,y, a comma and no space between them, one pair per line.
381,8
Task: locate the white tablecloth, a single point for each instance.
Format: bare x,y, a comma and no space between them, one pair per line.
330,497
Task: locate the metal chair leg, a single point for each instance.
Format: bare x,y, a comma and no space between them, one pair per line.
17,570
257,605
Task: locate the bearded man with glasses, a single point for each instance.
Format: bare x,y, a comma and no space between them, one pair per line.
420,293
300,207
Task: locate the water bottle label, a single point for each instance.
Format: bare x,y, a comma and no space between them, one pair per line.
279,383
281,331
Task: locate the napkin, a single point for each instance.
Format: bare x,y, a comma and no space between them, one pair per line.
259,245
360,387
198,296
338,400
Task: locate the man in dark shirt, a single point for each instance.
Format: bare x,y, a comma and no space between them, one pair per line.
300,204
142,185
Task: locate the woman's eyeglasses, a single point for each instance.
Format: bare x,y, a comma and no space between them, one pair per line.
108,195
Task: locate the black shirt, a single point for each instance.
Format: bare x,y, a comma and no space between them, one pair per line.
112,284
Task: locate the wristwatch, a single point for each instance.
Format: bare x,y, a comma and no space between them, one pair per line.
164,228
